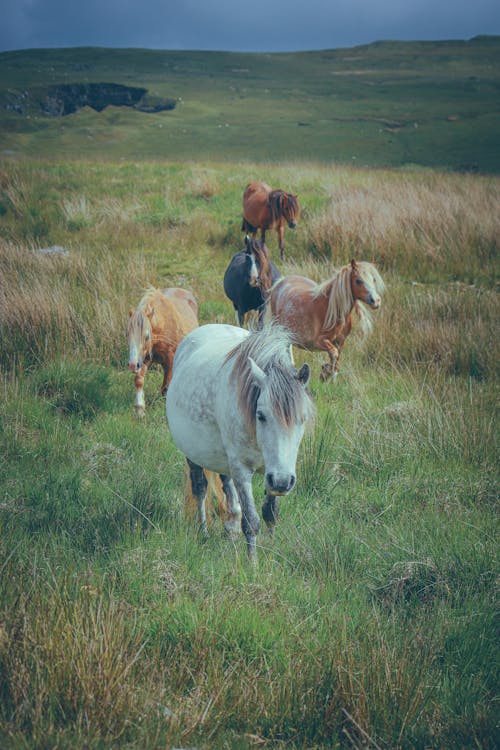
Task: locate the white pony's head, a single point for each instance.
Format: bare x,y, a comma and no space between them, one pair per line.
279,426
275,402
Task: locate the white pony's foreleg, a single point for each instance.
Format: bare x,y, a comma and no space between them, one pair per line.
270,511
250,521
233,523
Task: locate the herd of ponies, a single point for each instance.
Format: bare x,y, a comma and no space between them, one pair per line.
235,402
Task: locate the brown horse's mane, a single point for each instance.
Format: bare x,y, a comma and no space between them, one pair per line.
340,297
262,256
282,204
270,350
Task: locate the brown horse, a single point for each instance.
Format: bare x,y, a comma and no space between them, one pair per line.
154,331
264,208
320,315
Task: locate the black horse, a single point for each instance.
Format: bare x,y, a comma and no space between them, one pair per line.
248,278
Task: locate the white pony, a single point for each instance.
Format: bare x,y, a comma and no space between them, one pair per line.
236,405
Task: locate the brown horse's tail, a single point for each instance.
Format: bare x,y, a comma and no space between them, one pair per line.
215,503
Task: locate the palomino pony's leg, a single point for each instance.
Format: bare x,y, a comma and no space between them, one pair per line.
233,523
140,401
199,489
270,512
166,379
167,371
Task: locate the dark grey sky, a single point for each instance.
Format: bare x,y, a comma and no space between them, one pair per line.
249,25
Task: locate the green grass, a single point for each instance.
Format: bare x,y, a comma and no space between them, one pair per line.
370,619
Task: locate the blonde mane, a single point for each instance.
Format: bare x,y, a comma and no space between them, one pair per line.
139,321
340,297
146,298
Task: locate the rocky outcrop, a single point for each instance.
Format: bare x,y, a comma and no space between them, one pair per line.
66,98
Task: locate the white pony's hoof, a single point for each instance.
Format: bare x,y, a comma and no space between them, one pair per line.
232,529
140,411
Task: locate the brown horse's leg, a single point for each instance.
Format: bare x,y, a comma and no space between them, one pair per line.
140,401
280,241
248,228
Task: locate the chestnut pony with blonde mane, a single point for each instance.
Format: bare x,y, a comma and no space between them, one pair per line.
265,208
319,316
154,332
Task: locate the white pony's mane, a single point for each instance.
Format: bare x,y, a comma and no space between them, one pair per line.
340,298
270,350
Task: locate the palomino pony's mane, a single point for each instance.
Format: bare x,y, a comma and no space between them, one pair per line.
147,297
139,319
340,297
262,257
283,204
270,350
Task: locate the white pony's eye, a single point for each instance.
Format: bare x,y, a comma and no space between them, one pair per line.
261,417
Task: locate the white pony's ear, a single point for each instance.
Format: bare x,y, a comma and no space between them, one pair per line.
304,374
258,374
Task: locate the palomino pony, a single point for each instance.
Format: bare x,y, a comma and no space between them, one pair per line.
235,406
264,208
154,332
248,278
320,315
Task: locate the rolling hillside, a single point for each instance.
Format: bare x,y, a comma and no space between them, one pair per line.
384,104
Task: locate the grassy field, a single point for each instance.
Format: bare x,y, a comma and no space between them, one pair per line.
370,620
384,104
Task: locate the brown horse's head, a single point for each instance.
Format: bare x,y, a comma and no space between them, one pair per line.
291,209
366,283
284,205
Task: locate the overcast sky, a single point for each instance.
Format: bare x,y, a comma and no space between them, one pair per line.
245,25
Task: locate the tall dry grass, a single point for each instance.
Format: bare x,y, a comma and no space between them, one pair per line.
427,226
64,304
